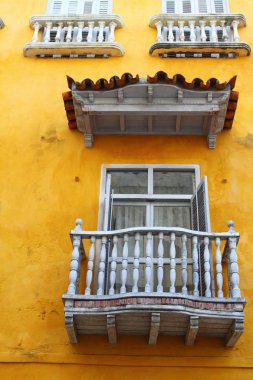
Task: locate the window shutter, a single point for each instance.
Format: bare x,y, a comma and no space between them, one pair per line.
186,6
87,7
73,7
201,222
55,7
202,6
170,6
104,7
219,6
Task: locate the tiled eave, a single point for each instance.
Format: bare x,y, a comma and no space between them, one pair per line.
155,105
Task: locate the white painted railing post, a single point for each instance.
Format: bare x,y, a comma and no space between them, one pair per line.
170,32
58,33
219,276
184,265
79,36
90,31
148,270
75,259
112,27
224,31
48,30
101,31
36,27
90,266
203,37
192,31
101,273
136,263
159,31
124,265
207,267
234,270
235,31
113,266
160,264
172,263
214,36
195,258
69,33
181,30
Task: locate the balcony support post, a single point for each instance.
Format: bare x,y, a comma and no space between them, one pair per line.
235,30
234,333
181,30
112,27
224,31
71,327
101,274
195,266
69,33
160,264
202,24
90,266
192,31
58,33
207,267
192,331
79,36
90,31
136,263
111,329
219,276
159,31
48,30
170,33
214,36
101,31
172,263
75,260
148,263
184,265
154,328
36,27
113,266
233,265
124,265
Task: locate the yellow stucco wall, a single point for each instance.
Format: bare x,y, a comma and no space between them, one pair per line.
40,199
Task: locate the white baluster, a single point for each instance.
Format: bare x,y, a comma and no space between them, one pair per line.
195,258
101,273
172,263
136,263
112,27
192,31
203,36
160,264
36,27
235,31
148,270
214,36
90,31
90,266
48,30
101,25
234,270
124,265
159,36
69,33
170,33
79,36
224,31
113,266
75,259
184,264
181,30
207,267
219,277
58,33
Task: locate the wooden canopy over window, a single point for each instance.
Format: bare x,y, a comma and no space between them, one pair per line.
157,105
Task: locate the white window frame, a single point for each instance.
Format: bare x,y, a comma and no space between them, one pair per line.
194,6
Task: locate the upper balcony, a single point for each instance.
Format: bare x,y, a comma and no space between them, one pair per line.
151,281
85,36
198,36
1,23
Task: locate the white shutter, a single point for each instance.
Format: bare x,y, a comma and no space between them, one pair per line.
87,7
73,7
55,7
203,6
219,6
187,6
169,6
104,7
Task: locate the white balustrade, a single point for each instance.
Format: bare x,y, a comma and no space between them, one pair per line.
184,264
214,35
101,31
203,36
235,30
79,36
160,264
172,263
90,31
113,266
75,259
170,33
219,276
90,266
207,267
224,31
148,269
124,265
181,30
136,263
101,273
36,27
233,265
69,32
192,31
159,31
112,27
48,31
195,259
59,31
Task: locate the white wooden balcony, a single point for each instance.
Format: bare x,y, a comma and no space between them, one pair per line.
86,36
155,281
198,35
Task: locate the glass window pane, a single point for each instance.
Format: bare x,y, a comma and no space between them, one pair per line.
166,182
129,182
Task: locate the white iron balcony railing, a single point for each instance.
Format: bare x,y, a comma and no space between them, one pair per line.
194,35
161,280
74,36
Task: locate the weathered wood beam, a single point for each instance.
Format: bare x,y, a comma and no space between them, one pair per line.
111,329
234,333
154,328
192,330
178,123
71,327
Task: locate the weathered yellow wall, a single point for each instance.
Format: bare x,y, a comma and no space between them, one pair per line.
40,199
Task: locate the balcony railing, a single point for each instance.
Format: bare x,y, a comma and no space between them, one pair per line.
155,281
213,35
74,36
